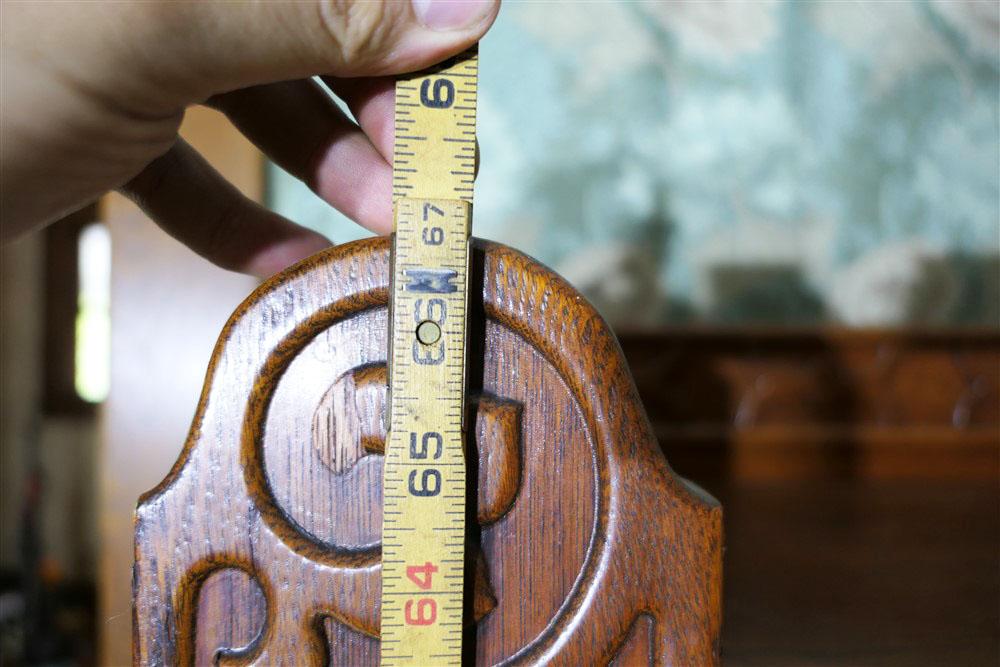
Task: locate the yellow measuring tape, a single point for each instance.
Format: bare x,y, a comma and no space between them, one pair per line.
423,524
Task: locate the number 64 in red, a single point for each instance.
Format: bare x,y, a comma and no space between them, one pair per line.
426,611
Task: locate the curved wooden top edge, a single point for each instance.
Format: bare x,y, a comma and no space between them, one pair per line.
381,245
267,287
596,329
552,316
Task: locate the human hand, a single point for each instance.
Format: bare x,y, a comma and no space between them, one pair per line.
93,95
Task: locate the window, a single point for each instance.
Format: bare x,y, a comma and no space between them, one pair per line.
77,317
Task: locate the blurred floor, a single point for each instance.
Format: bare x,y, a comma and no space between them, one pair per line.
845,572
858,472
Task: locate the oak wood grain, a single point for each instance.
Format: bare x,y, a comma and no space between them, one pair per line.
589,547
167,305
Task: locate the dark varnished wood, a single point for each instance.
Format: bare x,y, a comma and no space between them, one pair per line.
772,404
589,549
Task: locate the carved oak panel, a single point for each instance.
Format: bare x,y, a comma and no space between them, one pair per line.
262,544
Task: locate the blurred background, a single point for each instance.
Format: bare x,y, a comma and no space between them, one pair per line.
798,204
746,162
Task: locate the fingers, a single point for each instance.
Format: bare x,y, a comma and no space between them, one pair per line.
372,101
206,48
154,58
299,127
193,203
112,79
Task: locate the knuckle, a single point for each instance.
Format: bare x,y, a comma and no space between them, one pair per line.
223,232
360,30
142,187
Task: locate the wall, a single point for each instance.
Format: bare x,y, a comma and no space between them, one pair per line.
743,162
20,351
60,449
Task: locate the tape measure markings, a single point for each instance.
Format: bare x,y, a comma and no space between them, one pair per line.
424,466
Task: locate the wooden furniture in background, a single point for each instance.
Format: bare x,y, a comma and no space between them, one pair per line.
793,404
262,544
859,474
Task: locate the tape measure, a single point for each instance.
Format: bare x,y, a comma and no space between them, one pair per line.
423,524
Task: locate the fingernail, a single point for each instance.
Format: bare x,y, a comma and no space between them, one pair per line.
451,14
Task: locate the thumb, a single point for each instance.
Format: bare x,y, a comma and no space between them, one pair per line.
198,49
